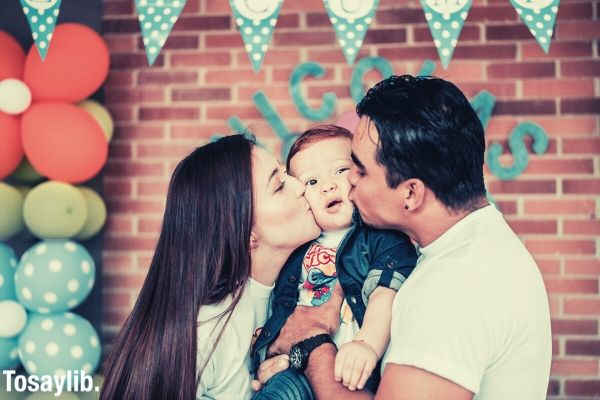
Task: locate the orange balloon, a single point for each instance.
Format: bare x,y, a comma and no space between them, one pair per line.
63,142
10,142
75,66
12,60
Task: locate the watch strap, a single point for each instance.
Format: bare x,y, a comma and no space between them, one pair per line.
313,342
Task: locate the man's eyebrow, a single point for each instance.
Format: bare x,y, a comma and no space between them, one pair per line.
356,161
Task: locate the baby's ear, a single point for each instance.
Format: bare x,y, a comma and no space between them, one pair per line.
253,240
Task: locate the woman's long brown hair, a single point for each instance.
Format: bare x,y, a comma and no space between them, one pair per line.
201,257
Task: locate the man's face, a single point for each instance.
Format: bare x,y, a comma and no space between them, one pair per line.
379,205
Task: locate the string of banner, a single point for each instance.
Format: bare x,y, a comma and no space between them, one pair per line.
256,20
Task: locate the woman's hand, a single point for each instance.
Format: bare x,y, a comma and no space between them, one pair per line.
268,368
354,363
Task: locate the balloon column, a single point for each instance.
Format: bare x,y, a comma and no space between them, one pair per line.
48,129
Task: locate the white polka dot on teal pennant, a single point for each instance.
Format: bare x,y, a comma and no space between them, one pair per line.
53,276
42,16
446,20
255,20
59,342
539,16
351,20
157,18
8,262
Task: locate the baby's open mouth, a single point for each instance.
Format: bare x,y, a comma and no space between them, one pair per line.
333,205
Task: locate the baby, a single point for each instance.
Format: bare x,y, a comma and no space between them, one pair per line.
369,264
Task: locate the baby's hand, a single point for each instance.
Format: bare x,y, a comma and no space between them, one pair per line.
354,363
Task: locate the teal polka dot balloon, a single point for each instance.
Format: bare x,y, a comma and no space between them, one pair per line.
8,264
54,276
56,343
9,355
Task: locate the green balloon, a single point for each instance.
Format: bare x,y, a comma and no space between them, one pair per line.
96,216
54,210
11,211
26,173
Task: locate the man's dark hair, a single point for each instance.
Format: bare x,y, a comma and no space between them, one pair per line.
429,131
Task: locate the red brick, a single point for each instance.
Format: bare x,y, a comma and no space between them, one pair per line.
460,71
139,131
400,16
581,227
317,92
553,387
557,50
166,77
153,188
216,6
135,206
582,267
522,70
120,43
559,207
120,25
120,113
569,11
119,224
548,266
168,113
114,188
272,57
197,131
564,367
133,61
235,76
583,388
175,42
580,106
374,36
133,169
119,150
203,23
134,95
117,8
112,300
118,78
200,59
303,38
492,13
116,261
581,186
201,94
498,89
552,88
507,32
336,56
409,53
580,68
578,286
577,30
468,33
149,225
548,166
581,146
317,19
113,317
191,7
582,306
523,227
489,51
574,327
288,21
232,40
507,207
524,107
124,281
226,111
523,186
273,92
303,6
151,151
555,347
561,246
568,125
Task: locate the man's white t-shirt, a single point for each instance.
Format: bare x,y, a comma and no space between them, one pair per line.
227,373
475,311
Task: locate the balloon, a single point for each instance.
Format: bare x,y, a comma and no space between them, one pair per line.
96,215
54,344
26,173
14,318
11,212
13,57
63,142
101,115
9,356
8,265
54,210
74,68
10,142
54,276
51,396
15,96
348,120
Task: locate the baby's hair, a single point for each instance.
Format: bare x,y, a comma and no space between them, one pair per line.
315,134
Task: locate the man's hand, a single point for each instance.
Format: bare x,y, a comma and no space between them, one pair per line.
354,363
268,368
308,321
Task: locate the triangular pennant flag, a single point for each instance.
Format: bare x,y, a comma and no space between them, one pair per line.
42,16
539,16
256,21
446,20
157,18
351,20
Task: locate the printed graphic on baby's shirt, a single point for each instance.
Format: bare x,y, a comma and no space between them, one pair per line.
318,271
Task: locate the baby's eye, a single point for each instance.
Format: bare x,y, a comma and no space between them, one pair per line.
342,170
311,182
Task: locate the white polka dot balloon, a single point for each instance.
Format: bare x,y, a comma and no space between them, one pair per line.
8,264
54,276
53,344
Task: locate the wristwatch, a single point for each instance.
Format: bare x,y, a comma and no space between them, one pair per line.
300,352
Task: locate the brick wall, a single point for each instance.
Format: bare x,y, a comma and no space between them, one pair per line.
203,76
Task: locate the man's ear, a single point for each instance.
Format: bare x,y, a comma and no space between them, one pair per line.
413,193
253,240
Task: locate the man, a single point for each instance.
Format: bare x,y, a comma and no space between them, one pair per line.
472,321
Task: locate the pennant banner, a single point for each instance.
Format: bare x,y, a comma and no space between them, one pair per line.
351,20
539,16
256,20
42,16
157,18
446,20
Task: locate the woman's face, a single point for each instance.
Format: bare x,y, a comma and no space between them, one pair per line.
282,216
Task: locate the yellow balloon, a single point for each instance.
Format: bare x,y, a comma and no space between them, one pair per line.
100,114
11,211
96,216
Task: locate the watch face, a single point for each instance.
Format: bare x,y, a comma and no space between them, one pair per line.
296,357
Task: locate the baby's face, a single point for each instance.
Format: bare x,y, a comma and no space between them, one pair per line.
323,168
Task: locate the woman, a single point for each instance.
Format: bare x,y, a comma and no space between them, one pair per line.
220,250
